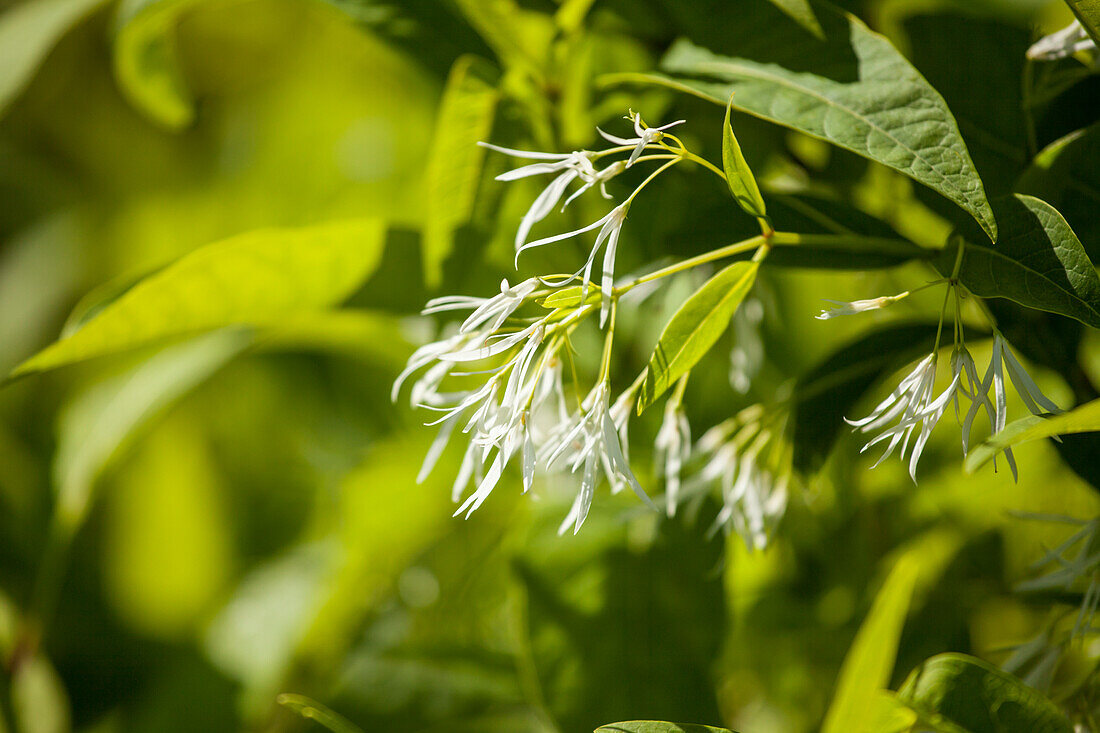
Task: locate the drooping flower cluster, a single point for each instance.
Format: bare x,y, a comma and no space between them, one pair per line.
914,408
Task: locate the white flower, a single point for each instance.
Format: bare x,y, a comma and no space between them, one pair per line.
644,136
1066,42
857,306
996,409
610,227
913,403
590,440
672,448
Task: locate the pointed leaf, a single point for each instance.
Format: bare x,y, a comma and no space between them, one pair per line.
455,161
695,327
870,660
28,31
802,13
741,181
1082,419
315,711
260,277
1038,262
976,697
854,90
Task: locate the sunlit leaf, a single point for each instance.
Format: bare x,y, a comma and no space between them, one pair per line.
739,176
454,164
854,90
658,726
976,697
315,711
695,327
870,660
38,699
28,31
1083,419
101,420
518,38
1038,262
145,60
261,277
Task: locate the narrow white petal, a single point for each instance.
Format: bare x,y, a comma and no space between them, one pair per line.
543,205
617,140
436,449
532,154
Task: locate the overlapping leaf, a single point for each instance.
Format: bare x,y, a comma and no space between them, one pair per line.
1088,12
1082,419
854,89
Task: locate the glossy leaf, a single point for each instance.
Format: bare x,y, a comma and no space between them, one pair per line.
1038,262
455,162
854,90
101,420
658,726
1088,12
315,711
695,327
28,31
870,660
827,393
261,277
739,176
976,697
801,12
1082,419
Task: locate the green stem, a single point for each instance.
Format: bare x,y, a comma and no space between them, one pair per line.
717,254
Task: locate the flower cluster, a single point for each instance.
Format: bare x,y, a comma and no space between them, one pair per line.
913,408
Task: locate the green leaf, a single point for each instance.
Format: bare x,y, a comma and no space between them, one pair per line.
827,393
854,90
145,62
695,327
256,278
1082,419
1038,262
658,726
1066,174
28,31
1088,12
455,162
976,697
741,181
313,710
870,660
519,38
96,425
802,13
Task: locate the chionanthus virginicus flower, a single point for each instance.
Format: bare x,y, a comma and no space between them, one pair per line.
644,136
751,466
589,442
672,449
1066,42
912,405
858,306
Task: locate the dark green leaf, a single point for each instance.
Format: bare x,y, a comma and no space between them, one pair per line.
741,181
313,710
1083,419
979,698
1038,262
257,278
828,392
695,327
27,33
658,726
854,90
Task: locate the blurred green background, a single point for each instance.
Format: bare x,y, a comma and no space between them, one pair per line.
252,524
